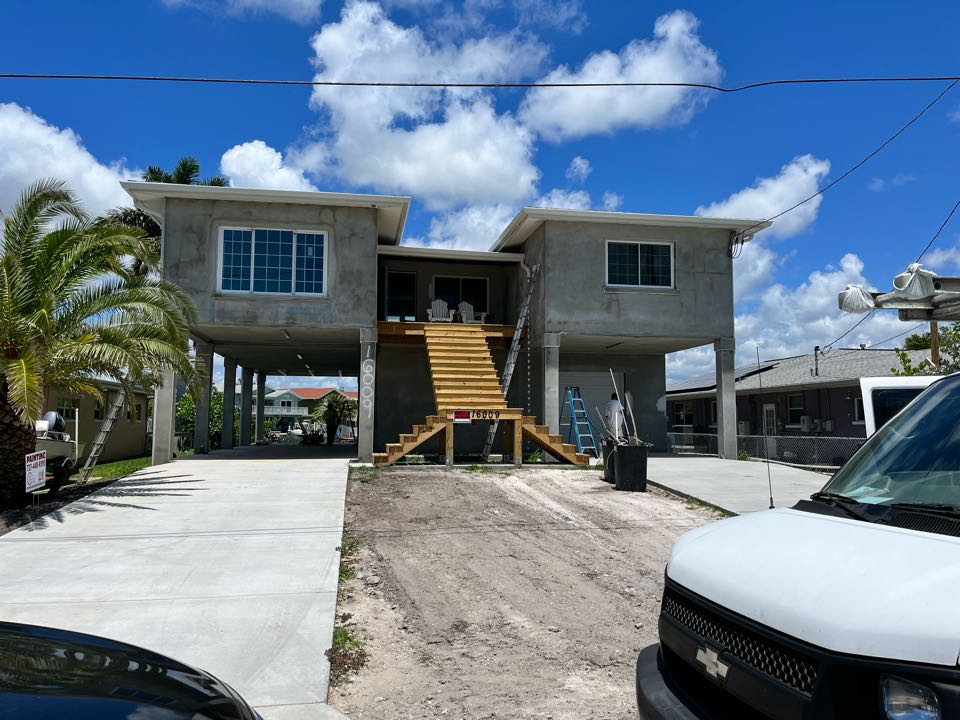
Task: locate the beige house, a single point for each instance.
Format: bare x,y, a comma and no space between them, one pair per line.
129,435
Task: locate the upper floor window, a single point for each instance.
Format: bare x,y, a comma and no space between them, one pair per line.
273,261
636,264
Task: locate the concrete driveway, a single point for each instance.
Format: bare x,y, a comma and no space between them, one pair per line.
227,562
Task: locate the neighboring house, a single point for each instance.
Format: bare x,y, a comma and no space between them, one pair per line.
291,407
315,283
236,390
129,435
800,395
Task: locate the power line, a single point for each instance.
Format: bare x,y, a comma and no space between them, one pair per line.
939,230
491,85
830,345
856,167
873,345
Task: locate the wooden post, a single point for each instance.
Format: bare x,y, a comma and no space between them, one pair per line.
442,444
448,433
934,343
517,442
507,441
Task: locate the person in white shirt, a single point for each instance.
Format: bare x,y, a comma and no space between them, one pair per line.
614,414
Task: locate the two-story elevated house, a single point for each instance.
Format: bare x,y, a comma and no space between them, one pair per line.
313,283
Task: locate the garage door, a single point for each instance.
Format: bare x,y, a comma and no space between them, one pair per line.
596,388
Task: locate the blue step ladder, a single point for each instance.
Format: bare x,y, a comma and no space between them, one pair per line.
580,431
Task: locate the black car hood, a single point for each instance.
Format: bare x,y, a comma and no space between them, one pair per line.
47,673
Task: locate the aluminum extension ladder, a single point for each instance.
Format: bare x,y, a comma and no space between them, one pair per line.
581,429
514,353
101,439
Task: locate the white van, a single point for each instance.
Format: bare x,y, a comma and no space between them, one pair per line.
884,397
846,605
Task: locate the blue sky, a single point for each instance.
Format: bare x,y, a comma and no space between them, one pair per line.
469,160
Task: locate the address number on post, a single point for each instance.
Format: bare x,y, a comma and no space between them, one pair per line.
484,414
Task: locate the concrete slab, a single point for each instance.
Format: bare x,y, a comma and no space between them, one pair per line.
227,562
737,486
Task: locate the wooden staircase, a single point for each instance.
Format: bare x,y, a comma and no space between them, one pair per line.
465,378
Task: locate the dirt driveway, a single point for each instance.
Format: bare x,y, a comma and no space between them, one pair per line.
503,594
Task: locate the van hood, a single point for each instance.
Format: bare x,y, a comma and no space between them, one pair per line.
840,584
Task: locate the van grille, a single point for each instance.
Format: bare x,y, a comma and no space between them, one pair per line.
767,655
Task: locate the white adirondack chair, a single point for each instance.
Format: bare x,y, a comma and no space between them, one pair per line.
467,314
439,311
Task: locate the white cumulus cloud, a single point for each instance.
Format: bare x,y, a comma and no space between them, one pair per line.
32,148
579,169
300,11
564,199
612,201
255,164
674,53
471,228
444,147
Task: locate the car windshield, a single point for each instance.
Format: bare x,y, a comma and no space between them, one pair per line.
914,458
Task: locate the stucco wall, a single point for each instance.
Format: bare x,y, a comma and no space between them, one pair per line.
128,438
577,300
191,257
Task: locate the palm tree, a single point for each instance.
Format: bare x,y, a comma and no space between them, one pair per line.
186,172
71,308
334,410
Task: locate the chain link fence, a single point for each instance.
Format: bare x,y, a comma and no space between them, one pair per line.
814,451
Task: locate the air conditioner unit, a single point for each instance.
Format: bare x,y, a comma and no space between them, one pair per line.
743,427
805,423
828,426
817,425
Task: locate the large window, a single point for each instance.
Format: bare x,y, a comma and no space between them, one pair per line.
273,261
461,289
683,412
634,264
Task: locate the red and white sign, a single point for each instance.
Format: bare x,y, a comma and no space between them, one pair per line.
36,466
461,416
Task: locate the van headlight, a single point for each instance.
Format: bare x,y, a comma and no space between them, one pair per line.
905,700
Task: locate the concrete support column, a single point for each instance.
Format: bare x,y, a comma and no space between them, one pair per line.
229,401
724,349
261,392
246,403
366,403
164,419
201,430
551,381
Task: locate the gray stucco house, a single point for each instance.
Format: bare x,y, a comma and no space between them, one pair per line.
314,283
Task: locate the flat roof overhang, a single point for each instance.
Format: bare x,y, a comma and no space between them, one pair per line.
628,344
294,350
433,253
529,219
391,209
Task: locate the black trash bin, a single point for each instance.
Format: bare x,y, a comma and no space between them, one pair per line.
607,446
630,467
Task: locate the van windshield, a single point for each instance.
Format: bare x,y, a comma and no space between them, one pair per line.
914,458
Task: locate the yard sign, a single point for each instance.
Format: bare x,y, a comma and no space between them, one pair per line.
36,470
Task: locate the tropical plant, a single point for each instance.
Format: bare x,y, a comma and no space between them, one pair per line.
333,411
186,172
71,309
949,342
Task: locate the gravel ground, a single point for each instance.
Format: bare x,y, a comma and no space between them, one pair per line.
504,594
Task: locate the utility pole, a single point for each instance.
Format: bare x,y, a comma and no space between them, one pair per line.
934,343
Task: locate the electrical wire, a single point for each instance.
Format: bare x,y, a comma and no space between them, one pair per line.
873,345
939,230
860,164
824,349
455,84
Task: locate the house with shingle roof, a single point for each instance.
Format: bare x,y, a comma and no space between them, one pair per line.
806,394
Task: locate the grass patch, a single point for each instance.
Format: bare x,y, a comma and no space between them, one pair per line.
363,474
535,457
120,468
349,546
697,504
478,468
743,455
346,654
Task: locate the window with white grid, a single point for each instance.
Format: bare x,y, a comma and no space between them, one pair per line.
272,260
636,264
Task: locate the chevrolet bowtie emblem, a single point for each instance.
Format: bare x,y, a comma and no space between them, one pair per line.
711,663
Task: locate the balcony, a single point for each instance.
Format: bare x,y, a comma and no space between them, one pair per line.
279,411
